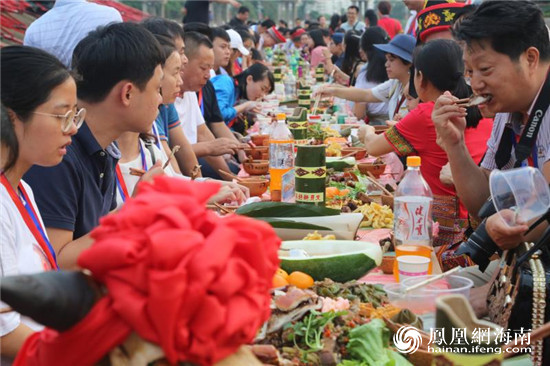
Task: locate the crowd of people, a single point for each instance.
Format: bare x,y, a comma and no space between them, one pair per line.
91,106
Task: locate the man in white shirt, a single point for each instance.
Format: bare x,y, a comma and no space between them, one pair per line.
60,29
206,147
353,22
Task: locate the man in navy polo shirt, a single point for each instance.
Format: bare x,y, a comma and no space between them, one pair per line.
118,81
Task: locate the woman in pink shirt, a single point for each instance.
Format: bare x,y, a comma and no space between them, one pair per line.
317,48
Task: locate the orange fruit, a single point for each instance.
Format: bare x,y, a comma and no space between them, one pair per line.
300,279
282,273
331,192
279,281
344,192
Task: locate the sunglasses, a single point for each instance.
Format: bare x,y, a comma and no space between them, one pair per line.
68,119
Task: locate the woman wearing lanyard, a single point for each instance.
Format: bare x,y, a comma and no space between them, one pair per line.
39,116
398,62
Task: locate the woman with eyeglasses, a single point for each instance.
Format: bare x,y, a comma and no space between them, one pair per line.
39,115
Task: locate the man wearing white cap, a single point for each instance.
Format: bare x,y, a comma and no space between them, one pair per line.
238,49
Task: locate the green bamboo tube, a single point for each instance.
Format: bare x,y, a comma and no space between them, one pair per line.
298,127
310,171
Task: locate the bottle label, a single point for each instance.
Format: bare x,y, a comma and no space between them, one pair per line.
281,155
412,219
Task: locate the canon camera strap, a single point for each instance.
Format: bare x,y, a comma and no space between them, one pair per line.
530,132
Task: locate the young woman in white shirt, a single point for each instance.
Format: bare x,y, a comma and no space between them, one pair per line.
398,55
39,116
138,149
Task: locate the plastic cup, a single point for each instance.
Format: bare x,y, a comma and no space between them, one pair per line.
523,191
412,266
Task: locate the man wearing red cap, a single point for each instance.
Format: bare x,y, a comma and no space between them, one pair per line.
272,37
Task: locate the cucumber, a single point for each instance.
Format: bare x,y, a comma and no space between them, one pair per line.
339,164
288,224
339,260
283,209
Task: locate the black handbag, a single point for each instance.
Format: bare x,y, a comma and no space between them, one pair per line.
519,295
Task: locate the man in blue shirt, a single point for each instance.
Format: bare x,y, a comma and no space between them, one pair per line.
118,80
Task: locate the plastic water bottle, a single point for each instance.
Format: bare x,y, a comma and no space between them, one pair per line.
281,155
413,213
290,85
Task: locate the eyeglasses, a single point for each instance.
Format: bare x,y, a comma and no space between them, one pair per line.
68,119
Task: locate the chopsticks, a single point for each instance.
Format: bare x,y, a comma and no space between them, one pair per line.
463,102
373,179
175,149
139,172
433,279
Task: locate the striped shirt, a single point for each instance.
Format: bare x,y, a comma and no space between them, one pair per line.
67,23
501,120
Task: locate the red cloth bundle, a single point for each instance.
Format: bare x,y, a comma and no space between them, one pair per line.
177,274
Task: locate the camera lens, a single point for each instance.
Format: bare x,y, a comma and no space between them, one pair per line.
479,247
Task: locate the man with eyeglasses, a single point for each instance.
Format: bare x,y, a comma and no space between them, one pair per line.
119,75
353,22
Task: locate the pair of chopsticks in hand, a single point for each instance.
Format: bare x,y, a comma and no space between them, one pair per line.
140,172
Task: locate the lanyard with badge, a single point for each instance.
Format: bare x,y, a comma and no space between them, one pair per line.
121,185
201,104
28,213
527,142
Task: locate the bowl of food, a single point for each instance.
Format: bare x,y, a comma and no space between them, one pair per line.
256,167
256,152
256,185
376,168
359,152
422,300
258,140
339,260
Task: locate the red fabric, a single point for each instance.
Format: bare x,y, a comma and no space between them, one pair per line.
390,25
178,275
476,139
418,129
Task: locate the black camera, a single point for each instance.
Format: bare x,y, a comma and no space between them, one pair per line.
479,246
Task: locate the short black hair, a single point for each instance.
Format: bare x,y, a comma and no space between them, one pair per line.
511,27
245,34
384,7
193,40
166,45
256,55
372,17
108,55
282,21
243,9
163,27
28,77
199,28
268,23
218,32
354,7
